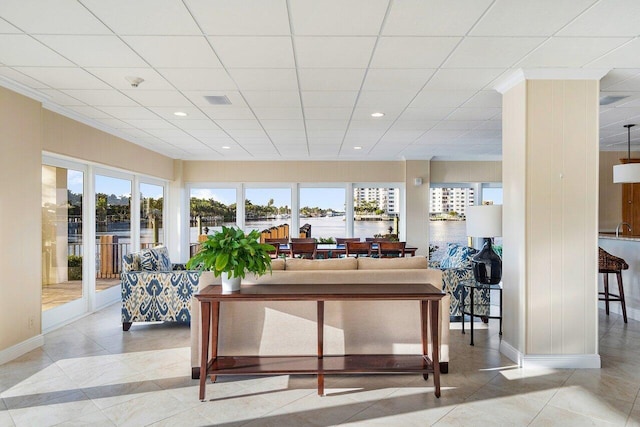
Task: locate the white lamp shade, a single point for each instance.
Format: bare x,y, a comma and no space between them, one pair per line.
484,221
627,173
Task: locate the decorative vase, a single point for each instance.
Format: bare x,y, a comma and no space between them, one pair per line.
229,284
487,265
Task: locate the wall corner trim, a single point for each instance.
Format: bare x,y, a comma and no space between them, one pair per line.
508,81
19,349
562,361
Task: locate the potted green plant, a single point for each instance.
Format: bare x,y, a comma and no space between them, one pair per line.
230,254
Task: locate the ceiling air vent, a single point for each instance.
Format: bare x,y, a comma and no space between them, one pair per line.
217,100
606,100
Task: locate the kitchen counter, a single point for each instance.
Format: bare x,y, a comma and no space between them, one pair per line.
612,236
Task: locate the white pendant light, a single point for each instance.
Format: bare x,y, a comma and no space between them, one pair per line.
629,172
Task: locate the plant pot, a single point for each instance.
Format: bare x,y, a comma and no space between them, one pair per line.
229,284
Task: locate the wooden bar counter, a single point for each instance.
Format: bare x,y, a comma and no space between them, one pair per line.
213,365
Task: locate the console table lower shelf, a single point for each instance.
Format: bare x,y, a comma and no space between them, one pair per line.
320,364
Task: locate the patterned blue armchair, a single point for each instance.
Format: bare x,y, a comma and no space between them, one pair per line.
456,270
153,289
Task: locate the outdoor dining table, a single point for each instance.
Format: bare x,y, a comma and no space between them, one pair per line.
332,250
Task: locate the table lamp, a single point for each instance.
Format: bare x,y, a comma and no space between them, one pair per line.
485,221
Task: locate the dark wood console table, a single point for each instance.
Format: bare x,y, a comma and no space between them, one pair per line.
213,365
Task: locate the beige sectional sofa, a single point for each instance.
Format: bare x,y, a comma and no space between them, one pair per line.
351,327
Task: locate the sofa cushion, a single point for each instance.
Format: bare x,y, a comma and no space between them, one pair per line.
277,264
156,259
457,256
321,264
391,263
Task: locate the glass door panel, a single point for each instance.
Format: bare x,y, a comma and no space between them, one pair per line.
62,255
113,229
151,215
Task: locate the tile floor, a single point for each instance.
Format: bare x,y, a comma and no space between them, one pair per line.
91,373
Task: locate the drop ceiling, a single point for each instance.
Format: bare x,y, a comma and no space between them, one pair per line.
304,76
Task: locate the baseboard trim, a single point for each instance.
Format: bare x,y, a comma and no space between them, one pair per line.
556,361
19,349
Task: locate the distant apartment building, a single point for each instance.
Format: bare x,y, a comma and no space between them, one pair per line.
446,200
386,198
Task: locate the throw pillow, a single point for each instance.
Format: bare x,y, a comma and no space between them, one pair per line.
156,259
457,256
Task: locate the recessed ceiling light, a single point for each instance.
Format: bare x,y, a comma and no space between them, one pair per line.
357,147
180,114
377,115
225,147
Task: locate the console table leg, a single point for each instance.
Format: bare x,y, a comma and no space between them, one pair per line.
434,308
205,313
320,321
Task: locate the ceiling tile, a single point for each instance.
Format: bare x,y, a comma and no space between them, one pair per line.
158,98
370,124
626,56
318,134
397,79
605,19
528,18
617,76
211,135
51,17
491,52
228,112
402,52
281,135
441,98
129,113
312,125
6,28
570,51
337,17
58,97
144,17
265,113
474,113
233,17
88,111
428,113
282,124
433,18
150,124
22,50
115,123
18,77
264,79
239,124
457,124
485,98
422,125
390,113
463,79
333,52
331,79
254,52
329,99
64,78
193,125
272,98
246,133
101,97
193,114
117,77
93,51
174,51
198,98
311,113
189,79
377,100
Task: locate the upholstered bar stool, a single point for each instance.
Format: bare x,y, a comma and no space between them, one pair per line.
608,263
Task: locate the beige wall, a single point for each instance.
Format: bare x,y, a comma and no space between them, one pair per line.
458,172
417,205
291,171
610,206
20,217
559,170
70,138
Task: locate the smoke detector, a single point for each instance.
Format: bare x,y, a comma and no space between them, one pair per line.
134,81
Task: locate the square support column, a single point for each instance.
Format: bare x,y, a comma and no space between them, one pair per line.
550,228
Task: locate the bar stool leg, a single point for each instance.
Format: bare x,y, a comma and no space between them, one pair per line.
606,293
621,293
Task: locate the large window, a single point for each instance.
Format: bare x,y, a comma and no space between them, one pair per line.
376,211
113,228
322,212
62,254
151,215
265,208
209,210
447,209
